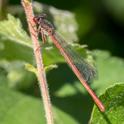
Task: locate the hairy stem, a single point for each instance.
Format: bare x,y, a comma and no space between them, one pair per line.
38,56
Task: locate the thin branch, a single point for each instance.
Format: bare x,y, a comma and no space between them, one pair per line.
38,56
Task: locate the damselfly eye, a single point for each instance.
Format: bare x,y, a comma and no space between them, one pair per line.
35,19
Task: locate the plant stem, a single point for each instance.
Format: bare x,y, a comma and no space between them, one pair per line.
38,56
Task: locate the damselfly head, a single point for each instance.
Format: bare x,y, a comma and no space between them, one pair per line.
40,17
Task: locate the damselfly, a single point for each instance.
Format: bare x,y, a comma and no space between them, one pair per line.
83,70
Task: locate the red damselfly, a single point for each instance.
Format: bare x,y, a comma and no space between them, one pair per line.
83,70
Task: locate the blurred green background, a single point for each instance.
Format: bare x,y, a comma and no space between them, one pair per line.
98,23
101,22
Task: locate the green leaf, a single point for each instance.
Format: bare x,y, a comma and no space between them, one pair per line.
50,67
14,75
31,68
110,70
12,29
113,99
15,43
16,108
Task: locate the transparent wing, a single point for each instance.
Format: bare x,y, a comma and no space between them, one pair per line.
87,71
